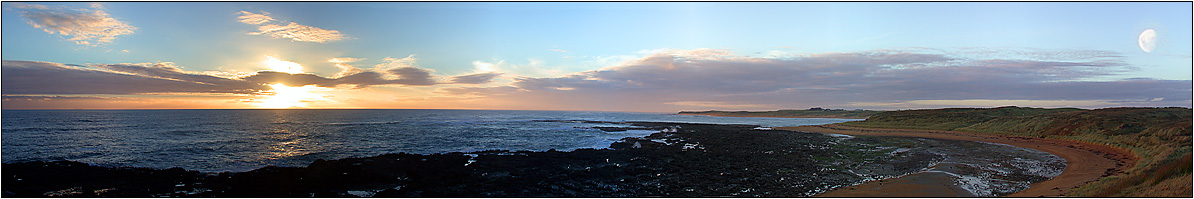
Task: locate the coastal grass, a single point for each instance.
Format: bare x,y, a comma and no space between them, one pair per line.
810,113
1159,137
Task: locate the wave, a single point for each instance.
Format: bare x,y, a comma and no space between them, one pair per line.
360,123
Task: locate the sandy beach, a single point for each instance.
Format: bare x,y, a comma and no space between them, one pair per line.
1085,163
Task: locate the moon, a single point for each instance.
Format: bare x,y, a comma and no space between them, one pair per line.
1148,40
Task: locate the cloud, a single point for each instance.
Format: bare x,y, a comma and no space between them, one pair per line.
479,78
389,63
254,18
47,85
399,71
412,76
703,78
42,102
533,68
488,91
288,79
345,67
392,71
297,32
408,76
271,27
342,60
670,80
486,66
45,78
46,98
167,70
85,26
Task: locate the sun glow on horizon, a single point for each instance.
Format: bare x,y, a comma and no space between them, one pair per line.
290,97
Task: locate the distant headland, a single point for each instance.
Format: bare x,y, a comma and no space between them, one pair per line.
817,112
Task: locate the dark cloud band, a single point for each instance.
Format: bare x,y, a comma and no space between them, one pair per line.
844,80
46,78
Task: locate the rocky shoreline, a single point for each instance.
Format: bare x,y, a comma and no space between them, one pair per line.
685,160
1084,162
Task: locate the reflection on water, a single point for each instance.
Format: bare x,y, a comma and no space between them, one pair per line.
285,149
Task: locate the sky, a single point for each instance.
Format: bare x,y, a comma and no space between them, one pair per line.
595,56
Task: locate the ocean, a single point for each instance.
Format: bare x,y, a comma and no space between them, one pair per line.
242,140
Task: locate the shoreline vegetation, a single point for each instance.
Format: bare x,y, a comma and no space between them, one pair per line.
1156,139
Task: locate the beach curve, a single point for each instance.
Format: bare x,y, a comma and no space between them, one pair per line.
1085,163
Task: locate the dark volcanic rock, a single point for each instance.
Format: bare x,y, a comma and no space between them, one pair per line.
74,179
692,160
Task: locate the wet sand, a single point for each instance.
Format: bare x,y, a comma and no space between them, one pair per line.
927,184
1084,163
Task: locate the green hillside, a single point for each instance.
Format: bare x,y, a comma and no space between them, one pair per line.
810,113
1160,137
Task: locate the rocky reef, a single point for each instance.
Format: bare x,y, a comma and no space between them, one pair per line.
682,159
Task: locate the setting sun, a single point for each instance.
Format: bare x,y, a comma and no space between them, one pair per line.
283,66
290,97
